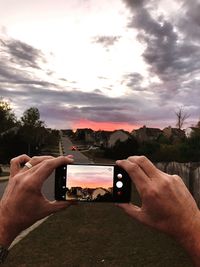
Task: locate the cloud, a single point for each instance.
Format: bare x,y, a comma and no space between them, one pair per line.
171,48
22,53
133,80
190,22
106,41
168,52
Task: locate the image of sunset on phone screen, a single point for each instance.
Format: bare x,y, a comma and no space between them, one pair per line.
89,183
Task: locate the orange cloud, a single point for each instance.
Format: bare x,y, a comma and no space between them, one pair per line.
107,126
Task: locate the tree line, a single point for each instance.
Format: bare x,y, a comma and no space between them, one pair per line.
25,135
161,150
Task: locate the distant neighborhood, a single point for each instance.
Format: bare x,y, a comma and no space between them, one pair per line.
168,144
108,139
30,135
89,194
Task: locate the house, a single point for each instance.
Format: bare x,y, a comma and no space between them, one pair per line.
146,134
190,131
101,138
174,134
86,135
97,192
67,132
13,130
118,135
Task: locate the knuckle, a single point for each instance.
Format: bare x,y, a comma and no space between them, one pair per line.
35,158
176,177
16,159
165,183
141,159
131,158
62,157
47,163
134,167
13,160
24,155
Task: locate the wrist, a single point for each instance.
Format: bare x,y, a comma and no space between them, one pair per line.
190,238
6,235
7,231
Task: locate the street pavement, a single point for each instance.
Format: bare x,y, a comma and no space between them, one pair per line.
78,156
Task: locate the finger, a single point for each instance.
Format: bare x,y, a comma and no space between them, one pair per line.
36,160
70,156
15,164
42,171
146,165
55,206
132,210
138,177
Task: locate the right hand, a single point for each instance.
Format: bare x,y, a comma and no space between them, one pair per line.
167,205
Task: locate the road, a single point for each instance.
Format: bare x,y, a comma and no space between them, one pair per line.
78,156
48,187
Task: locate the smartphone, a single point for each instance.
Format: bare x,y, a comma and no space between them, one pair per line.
92,183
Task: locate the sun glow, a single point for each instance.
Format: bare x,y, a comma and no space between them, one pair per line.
107,126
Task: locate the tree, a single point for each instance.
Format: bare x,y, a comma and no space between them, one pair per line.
31,117
181,117
32,130
7,117
198,124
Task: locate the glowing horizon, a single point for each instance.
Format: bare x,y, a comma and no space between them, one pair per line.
105,126
89,176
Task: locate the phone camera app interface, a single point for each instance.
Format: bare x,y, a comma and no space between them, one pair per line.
89,183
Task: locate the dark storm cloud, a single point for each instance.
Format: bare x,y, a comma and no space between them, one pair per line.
106,41
58,97
190,22
23,54
13,75
172,47
91,113
133,80
77,105
17,62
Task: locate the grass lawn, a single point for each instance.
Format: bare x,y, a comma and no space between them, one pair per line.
96,235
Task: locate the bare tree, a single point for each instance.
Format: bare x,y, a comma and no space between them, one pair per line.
182,116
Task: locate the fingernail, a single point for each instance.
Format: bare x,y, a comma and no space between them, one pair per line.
70,156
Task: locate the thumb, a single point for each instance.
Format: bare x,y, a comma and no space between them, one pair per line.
132,210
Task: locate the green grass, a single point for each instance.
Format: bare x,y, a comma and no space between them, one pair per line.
96,235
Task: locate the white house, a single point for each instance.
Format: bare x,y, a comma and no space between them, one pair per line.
191,130
118,135
98,191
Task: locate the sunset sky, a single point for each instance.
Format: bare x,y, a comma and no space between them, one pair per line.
101,64
89,176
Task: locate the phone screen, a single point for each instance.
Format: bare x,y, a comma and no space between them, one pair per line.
92,183
89,183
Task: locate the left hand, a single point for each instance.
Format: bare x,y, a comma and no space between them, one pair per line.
23,203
